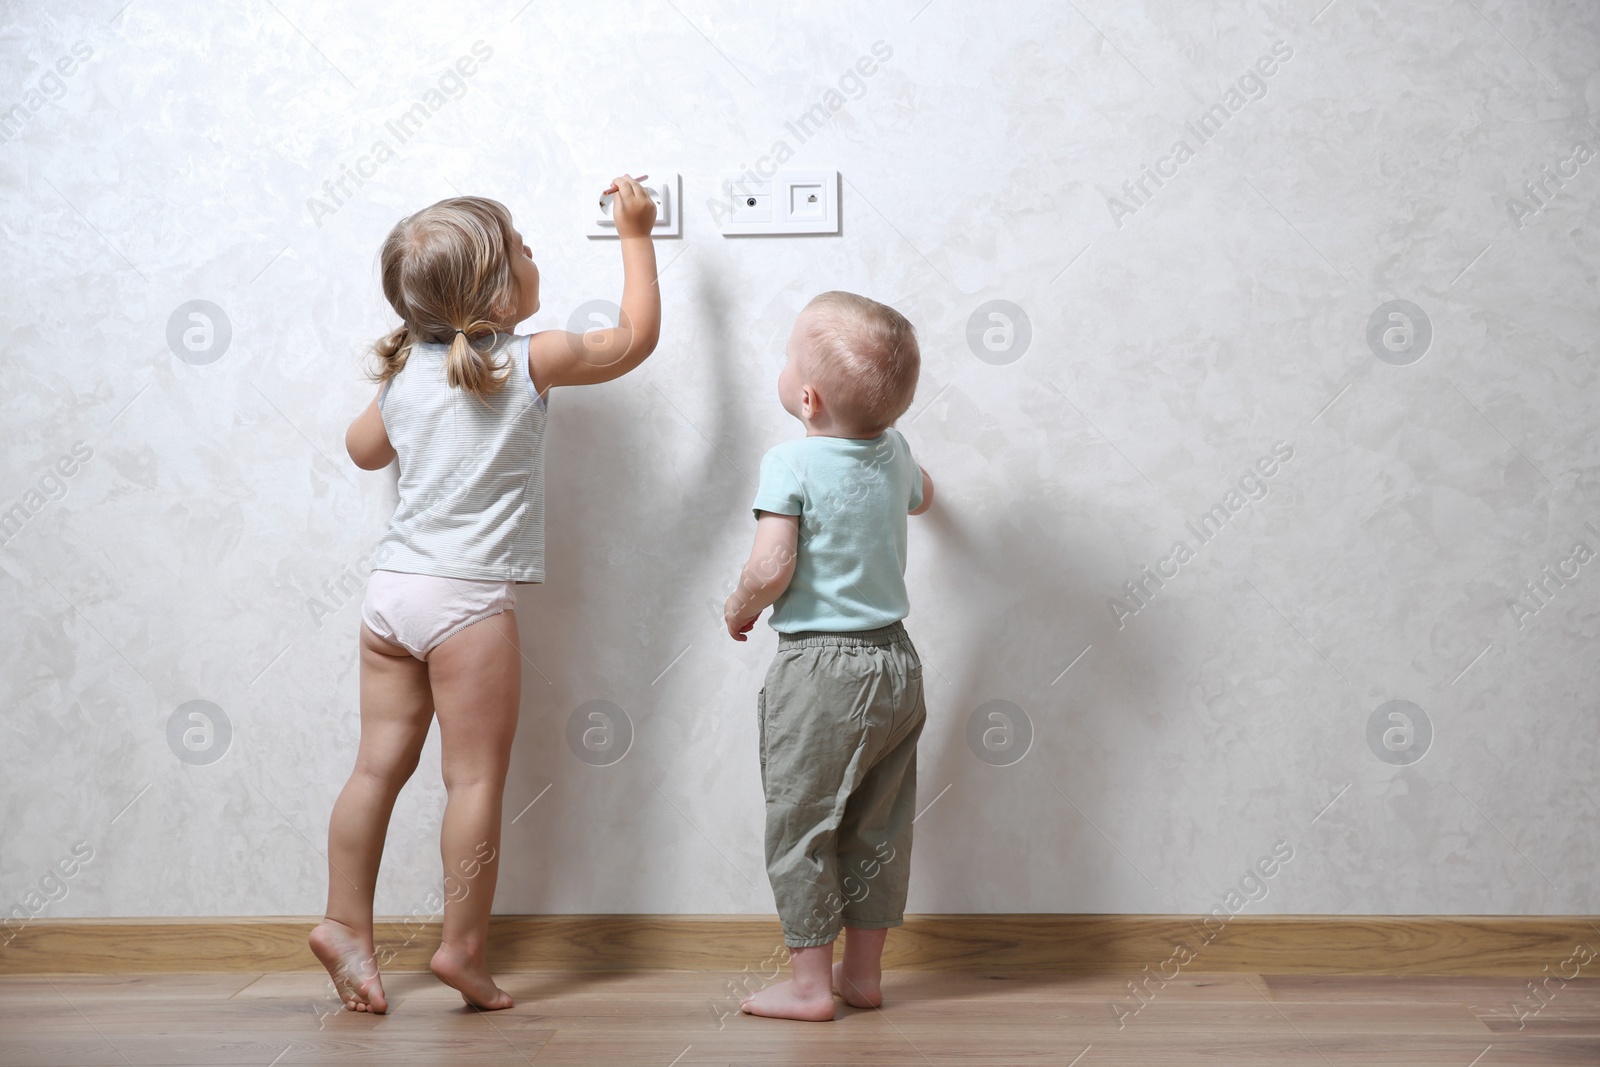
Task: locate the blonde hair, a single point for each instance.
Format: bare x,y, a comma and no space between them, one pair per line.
446,271
864,357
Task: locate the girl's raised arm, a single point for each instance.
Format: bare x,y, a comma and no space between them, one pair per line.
558,357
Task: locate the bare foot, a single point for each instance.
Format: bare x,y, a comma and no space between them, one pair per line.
351,964
784,1001
469,978
858,990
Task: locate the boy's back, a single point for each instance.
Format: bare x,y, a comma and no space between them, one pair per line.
852,497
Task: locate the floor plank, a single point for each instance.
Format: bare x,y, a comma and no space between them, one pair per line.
690,1019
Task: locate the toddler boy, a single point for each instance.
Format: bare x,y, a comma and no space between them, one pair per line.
842,706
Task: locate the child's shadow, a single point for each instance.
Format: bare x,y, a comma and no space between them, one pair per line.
1020,679
637,471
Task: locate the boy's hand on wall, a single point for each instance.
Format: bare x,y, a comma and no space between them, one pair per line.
927,494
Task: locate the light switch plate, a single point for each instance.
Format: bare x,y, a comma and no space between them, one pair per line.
790,202
665,189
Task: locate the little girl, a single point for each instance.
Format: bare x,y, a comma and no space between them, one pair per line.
462,405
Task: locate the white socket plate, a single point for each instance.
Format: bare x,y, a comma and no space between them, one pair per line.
665,189
790,202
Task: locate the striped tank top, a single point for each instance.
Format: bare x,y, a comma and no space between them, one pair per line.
471,471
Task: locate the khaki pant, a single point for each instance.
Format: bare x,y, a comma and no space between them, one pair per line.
840,715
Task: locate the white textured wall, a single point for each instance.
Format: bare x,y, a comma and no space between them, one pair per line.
1173,345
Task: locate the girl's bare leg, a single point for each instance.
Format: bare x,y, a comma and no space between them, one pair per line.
477,689
396,708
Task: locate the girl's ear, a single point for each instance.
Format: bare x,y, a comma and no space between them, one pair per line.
505,308
810,403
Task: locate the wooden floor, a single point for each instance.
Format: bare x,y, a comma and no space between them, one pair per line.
671,1019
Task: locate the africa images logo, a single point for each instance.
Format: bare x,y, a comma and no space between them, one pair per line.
1250,86
1250,487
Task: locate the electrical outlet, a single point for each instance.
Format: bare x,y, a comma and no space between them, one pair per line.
667,192
790,202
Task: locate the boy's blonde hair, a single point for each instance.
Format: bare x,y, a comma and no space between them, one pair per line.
447,273
864,357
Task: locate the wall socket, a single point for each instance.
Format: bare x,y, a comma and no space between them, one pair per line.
665,189
790,202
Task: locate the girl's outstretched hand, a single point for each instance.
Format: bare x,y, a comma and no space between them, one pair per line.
632,209
563,357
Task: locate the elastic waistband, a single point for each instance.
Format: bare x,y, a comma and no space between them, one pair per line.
883,636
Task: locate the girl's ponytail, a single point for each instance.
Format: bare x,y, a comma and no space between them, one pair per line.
447,273
391,349
467,367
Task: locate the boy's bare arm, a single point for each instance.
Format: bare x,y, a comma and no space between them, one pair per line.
367,441
766,573
558,357
927,494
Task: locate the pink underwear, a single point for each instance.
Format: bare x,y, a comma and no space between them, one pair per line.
418,611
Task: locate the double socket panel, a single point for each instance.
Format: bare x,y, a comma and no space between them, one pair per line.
791,201
667,192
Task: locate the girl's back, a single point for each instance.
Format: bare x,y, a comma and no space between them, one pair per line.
471,470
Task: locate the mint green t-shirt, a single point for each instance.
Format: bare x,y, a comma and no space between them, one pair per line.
852,497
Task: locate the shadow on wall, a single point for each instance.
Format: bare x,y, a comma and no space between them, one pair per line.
628,585
997,652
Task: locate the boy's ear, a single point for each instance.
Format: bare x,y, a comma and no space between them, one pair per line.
810,402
